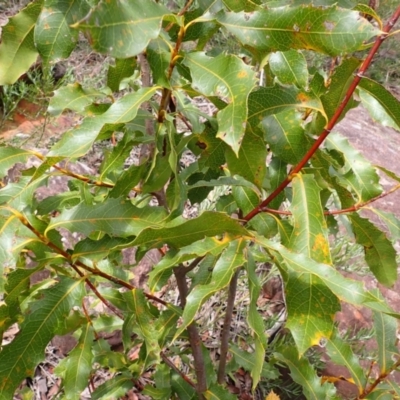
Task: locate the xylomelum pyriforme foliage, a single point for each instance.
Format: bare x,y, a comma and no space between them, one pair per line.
269,143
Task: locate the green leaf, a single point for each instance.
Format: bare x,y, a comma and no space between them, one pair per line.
144,323
277,172
54,37
78,365
213,149
77,142
123,68
9,156
159,56
72,97
242,5
341,353
210,78
285,135
255,321
158,276
380,103
218,392
348,290
17,48
224,269
127,181
330,30
208,224
272,100
123,30
290,67
356,173
19,359
250,161
182,389
390,220
116,217
303,373
310,233
311,307
114,388
379,252
386,331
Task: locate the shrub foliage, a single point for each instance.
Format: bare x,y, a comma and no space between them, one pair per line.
245,131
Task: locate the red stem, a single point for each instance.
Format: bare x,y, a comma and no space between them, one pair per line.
332,122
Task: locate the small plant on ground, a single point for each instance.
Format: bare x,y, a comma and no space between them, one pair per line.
236,167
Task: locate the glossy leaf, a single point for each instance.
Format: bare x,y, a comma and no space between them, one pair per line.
9,156
311,307
386,330
348,290
356,173
82,137
330,30
290,67
123,29
272,100
54,37
208,224
72,97
380,103
379,252
19,359
116,217
123,68
224,269
207,246
210,78
310,233
341,353
17,49
302,372
250,162
285,135
391,221
78,366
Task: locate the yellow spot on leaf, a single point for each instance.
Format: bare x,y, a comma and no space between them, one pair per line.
242,74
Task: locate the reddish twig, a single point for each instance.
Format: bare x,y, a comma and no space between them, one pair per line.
332,122
337,212
177,370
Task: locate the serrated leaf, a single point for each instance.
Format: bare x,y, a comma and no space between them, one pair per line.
311,307
330,30
303,373
255,321
250,161
54,37
310,232
391,221
114,388
17,48
144,323
348,290
386,331
380,103
19,359
78,365
9,156
224,269
73,97
290,67
116,217
272,100
357,173
77,142
379,252
123,68
158,276
218,392
341,353
123,29
211,79
285,135
208,224
213,149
